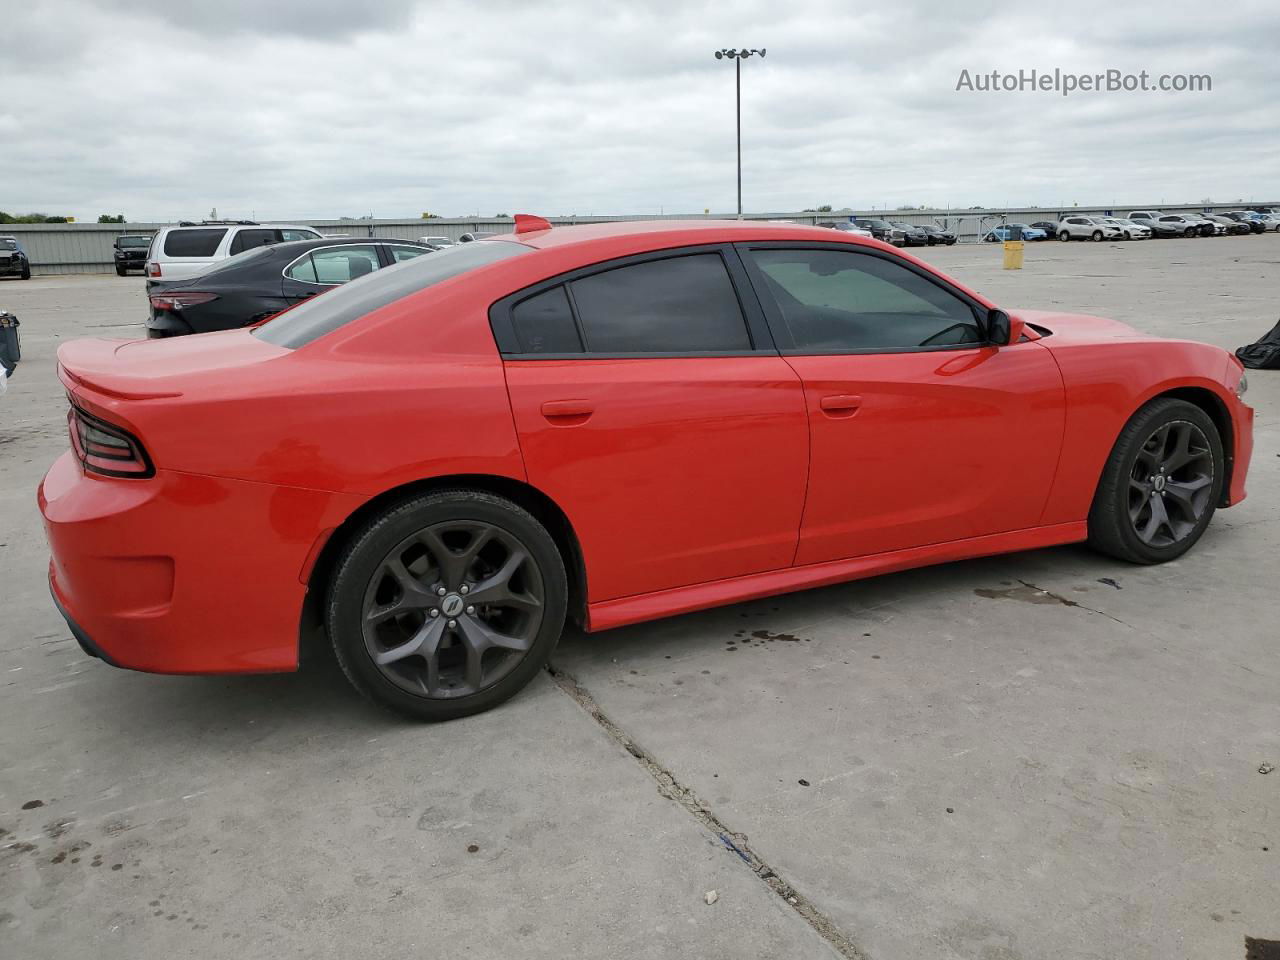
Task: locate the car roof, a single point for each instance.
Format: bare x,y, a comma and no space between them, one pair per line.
670,232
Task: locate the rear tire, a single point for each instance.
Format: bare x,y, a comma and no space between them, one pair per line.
1064,236
1160,486
400,610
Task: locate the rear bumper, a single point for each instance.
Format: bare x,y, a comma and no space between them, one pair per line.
182,573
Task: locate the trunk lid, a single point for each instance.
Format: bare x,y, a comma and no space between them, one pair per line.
151,369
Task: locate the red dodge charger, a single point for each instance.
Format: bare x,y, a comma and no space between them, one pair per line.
438,463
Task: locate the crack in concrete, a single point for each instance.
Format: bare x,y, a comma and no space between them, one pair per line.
736,843
1074,603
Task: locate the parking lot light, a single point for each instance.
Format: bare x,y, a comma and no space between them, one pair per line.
737,56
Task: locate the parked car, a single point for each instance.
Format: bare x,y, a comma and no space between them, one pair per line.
436,243
1229,226
13,259
253,285
476,235
938,235
1006,232
913,235
437,464
1239,216
1270,221
189,249
1204,226
1129,229
1189,227
884,231
129,251
1050,227
1087,228
843,226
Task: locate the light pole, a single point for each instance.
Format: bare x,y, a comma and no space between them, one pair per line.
737,56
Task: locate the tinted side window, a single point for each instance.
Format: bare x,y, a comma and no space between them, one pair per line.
303,270
193,243
678,305
544,323
407,253
832,301
341,264
248,239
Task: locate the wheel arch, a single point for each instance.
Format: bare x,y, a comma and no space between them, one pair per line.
311,637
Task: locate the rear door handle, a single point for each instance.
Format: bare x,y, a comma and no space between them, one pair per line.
840,405
568,412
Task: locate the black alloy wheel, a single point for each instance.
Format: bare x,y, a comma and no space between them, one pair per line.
1161,484
447,604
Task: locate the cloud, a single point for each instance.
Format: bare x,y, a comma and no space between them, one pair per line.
320,108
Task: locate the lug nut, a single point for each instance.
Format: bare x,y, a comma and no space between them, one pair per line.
452,624
435,612
471,609
440,592
464,588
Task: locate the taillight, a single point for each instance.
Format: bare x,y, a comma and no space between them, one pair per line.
153,269
176,301
106,449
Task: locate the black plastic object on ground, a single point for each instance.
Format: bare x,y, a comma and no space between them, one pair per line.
1263,353
10,346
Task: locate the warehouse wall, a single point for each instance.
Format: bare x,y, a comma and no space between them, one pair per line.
58,248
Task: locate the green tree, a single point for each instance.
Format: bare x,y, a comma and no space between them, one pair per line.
107,218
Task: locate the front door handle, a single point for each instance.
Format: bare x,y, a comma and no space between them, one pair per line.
568,412
840,405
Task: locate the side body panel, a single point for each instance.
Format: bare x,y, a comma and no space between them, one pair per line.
677,470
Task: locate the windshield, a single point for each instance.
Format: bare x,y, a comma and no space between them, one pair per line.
133,242
313,319
8,243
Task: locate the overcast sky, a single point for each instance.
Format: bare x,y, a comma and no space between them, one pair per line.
326,108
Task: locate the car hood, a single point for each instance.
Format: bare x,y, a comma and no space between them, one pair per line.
151,369
1079,327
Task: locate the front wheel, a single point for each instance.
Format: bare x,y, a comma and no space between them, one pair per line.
1160,486
447,604
1095,236
26,272
120,271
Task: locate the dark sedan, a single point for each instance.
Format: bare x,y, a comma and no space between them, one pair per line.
1050,227
13,259
912,233
938,235
258,283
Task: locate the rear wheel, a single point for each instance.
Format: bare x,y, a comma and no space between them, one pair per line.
1064,236
1160,486
447,604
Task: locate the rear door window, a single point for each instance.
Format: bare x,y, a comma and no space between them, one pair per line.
544,323
400,253
290,235
677,305
197,242
248,239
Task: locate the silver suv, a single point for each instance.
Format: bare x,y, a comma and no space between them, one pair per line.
1087,228
190,249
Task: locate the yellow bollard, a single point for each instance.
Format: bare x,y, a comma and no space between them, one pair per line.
1013,254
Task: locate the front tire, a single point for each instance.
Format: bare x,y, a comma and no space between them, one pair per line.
446,604
120,271
1160,486
1096,236
26,272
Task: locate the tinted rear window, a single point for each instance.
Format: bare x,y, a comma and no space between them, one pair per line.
680,305
314,318
193,243
544,323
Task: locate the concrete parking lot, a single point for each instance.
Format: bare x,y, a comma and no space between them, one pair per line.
1042,755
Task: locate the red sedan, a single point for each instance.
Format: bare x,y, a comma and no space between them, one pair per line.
438,463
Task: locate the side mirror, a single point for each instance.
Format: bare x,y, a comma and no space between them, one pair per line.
1002,329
